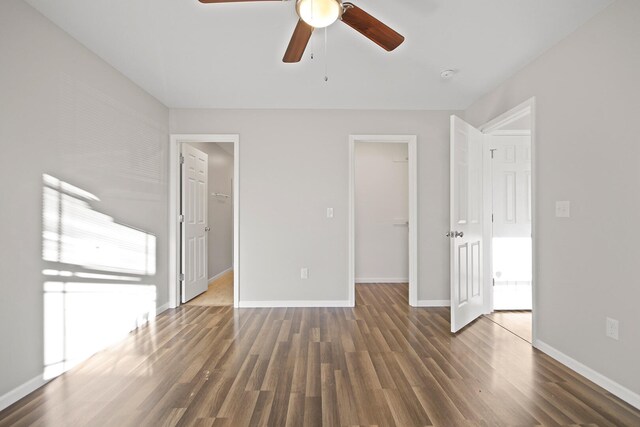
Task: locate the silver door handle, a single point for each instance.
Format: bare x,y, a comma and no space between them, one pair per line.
449,234
458,234
207,229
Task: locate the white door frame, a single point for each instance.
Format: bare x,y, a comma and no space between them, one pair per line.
411,141
174,210
493,127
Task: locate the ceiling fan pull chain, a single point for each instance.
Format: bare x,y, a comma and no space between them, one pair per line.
314,43
326,57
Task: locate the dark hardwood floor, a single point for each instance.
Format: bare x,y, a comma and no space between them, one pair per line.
380,363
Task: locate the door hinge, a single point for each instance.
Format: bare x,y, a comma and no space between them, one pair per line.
180,219
181,159
493,150
494,281
181,277
491,217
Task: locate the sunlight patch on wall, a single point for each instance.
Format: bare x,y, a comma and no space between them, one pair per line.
63,273
73,233
96,280
81,319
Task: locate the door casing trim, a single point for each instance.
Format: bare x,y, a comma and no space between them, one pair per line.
411,141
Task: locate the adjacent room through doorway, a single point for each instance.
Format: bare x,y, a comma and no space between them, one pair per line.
382,216
207,258
508,196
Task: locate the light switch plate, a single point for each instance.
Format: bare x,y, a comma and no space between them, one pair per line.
329,212
612,328
304,273
563,209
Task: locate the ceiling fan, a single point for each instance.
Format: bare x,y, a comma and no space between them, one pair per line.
322,13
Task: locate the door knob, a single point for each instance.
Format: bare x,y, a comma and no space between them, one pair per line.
458,234
449,234
207,229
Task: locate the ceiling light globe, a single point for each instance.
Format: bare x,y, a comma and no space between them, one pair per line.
319,13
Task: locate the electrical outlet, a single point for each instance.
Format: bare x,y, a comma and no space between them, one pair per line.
612,328
304,273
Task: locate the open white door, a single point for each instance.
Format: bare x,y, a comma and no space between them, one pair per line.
194,222
467,296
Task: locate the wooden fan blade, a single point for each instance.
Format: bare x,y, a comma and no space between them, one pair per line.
298,43
370,27
231,1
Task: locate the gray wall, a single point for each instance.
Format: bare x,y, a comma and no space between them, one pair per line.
588,104
293,165
220,214
64,112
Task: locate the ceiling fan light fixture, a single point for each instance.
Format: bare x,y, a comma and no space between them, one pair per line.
319,13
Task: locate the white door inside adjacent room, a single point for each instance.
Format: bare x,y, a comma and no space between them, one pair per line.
194,179
511,227
466,228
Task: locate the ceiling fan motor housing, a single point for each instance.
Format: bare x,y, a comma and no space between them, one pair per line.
319,13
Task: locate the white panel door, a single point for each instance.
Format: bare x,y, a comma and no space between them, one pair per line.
511,170
511,209
194,225
467,296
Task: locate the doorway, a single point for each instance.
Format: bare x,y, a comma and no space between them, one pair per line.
214,286
508,223
385,235
492,225
204,220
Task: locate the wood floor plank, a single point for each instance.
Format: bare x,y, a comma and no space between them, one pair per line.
262,409
312,411
381,363
295,411
347,406
328,397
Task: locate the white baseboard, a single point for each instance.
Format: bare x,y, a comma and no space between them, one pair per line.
606,383
21,391
434,303
273,304
382,280
219,275
33,384
162,308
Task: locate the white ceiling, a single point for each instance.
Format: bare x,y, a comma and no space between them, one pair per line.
189,54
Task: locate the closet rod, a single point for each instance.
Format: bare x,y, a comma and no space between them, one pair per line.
221,195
